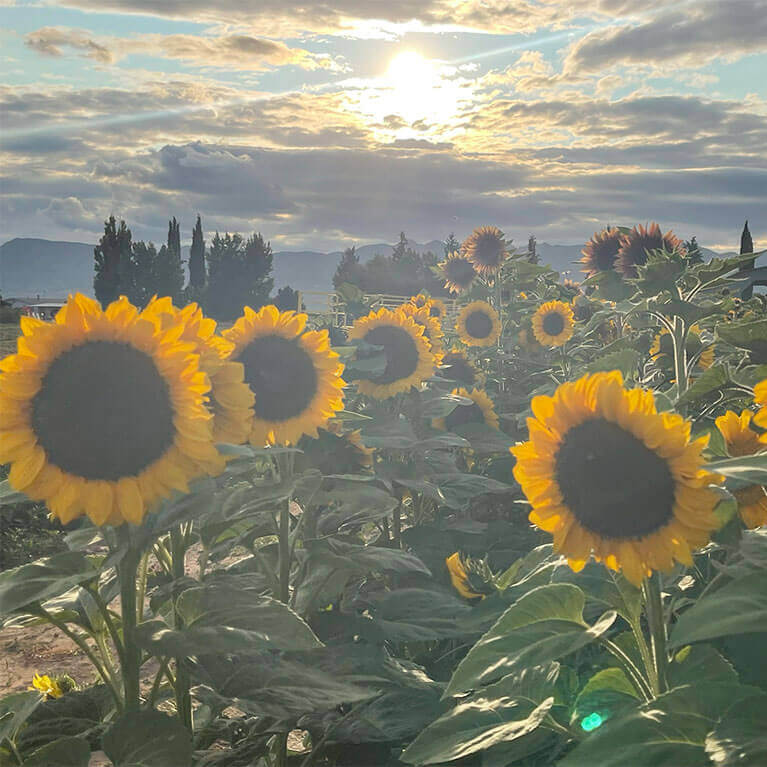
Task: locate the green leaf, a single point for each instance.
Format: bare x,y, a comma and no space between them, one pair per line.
458,490
670,730
658,274
44,579
543,625
15,709
148,739
675,307
745,335
64,752
606,693
626,361
503,712
717,377
696,662
349,504
739,607
740,738
394,434
745,470
485,440
441,406
718,267
9,496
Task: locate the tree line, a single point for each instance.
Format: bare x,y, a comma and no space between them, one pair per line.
231,273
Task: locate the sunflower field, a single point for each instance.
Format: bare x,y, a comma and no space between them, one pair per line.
529,531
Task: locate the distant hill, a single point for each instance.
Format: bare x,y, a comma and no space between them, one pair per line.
31,266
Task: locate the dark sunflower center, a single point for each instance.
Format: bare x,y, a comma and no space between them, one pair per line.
464,414
605,254
478,324
489,250
434,312
459,370
400,350
612,482
103,412
459,271
553,323
282,376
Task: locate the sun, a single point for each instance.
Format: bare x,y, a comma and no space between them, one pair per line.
409,72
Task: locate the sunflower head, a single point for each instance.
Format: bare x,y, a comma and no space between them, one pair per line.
478,324
293,372
487,249
458,272
741,439
231,400
437,308
420,300
103,412
662,349
409,359
463,578
335,452
639,243
553,323
47,686
457,367
481,410
432,328
610,477
601,251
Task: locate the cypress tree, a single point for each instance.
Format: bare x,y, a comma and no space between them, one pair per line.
112,261
169,274
746,243
197,258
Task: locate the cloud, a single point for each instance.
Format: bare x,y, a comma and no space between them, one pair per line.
689,37
234,52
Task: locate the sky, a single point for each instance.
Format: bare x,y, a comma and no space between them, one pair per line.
323,124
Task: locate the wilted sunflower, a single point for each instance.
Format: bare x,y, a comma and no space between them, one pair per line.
639,242
742,440
231,398
487,249
601,251
662,349
457,367
478,324
409,360
553,323
459,577
458,272
609,476
103,412
293,372
432,328
335,452
482,411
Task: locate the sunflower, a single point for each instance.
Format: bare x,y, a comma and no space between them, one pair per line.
458,272
231,398
459,577
335,452
486,248
553,323
409,360
47,686
420,300
432,328
662,349
637,244
293,372
457,367
103,412
609,476
478,324
482,411
437,308
601,251
742,440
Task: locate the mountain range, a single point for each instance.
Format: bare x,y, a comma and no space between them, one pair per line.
31,267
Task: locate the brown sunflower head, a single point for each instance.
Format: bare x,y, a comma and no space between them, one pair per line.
636,246
457,367
458,272
601,251
487,249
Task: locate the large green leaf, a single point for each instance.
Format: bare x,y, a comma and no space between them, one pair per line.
605,693
15,709
348,504
712,380
696,662
485,440
44,579
459,489
543,625
626,361
69,751
740,737
670,730
9,496
502,712
745,470
148,739
746,335
397,433
739,607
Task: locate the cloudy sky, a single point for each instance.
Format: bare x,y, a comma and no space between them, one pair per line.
326,122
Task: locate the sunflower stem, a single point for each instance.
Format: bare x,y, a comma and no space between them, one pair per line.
679,338
127,571
629,668
657,623
183,682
